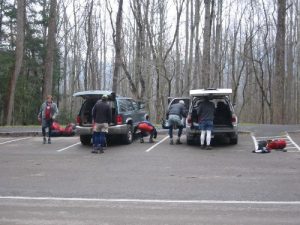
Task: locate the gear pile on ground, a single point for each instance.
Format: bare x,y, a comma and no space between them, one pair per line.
268,145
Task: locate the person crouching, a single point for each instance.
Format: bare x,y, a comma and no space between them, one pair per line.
146,128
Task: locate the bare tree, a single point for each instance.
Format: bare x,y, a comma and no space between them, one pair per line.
89,43
1,18
118,46
297,88
217,78
278,97
19,54
140,45
51,45
206,44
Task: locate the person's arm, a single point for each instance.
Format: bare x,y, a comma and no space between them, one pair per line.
109,116
199,112
184,111
94,113
55,111
40,115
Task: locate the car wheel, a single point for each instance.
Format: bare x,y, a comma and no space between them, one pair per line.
189,141
234,140
85,139
128,137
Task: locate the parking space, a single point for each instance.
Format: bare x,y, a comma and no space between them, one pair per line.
291,145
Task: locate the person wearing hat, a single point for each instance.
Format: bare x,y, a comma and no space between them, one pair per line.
175,114
102,116
47,114
206,112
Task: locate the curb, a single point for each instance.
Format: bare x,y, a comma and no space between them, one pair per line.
20,134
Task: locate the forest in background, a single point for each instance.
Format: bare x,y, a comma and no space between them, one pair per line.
149,50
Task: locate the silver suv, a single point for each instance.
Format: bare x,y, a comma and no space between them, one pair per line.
126,114
225,121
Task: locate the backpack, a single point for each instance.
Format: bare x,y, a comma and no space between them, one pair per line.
277,144
145,127
48,112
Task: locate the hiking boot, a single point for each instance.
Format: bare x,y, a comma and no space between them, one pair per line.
49,141
178,142
44,140
171,141
141,140
208,147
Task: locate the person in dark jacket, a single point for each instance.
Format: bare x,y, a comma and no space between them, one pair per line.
47,114
102,117
206,112
145,128
175,114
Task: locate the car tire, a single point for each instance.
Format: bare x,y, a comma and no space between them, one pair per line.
85,139
128,137
234,140
190,141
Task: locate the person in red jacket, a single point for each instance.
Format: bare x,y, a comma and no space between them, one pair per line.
46,116
146,128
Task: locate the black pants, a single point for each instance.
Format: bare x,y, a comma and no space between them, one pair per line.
47,123
144,134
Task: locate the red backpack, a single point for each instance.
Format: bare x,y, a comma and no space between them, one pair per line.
277,144
145,127
48,112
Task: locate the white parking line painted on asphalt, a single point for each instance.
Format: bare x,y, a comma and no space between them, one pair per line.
160,201
152,147
294,143
63,149
19,139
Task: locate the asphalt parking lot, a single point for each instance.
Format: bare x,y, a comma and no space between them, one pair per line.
63,183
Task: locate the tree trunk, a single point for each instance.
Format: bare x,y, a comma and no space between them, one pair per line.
118,48
1,18
298,64
51,43
89,43
206,46
19,54
186,80
279,79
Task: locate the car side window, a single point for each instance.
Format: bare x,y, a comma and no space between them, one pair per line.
135,105
125,105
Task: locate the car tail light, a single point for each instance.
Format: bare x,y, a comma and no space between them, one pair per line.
234,120
78,120
189,120
119,120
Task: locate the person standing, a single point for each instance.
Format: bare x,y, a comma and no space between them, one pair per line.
175,114
47,114
102,117
206,112
145,128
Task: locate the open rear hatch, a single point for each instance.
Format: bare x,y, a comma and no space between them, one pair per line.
210,91
94,94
